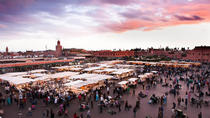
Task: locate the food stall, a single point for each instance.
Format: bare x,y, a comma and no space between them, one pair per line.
124,66
37,71
88,81
76,69
105,71
122,73
64,76
145,76
62,68
92,69
85,82
133,81
18,82
123,84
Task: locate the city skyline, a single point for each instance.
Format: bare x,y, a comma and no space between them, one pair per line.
103,24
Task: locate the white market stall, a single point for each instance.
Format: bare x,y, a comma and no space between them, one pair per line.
123,84
62,68
18,82
37,71
105,71
122,73
76,69
133,81
86,82
145,76
91,69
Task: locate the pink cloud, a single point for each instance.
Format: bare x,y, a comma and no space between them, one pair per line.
188,13
129,24
150,15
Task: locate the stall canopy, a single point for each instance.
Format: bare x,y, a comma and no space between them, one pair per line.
38,71
122,71
63,74
14,74
92,68
75,84
62,67
132,79
17,80
123,82
86,79
107,70
37,76
76,69
94,77
56,75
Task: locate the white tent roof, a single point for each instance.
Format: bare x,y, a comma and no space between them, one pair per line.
91,76
89,79
44,77
148,74
14,74
132,79
110,69
38,74
92,68
98,77
123,82
106,70
121,71
76,68
142,76
56,75
80,83
82,76
124,66
76,84
63,74
112,62
99,71
17,80
62,67
37,71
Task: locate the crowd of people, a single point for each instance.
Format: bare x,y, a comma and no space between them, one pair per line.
193,81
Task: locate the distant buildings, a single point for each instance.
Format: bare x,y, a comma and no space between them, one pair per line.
73,52
199,53
109,53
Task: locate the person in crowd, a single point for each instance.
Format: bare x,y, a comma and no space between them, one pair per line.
134,112
200,115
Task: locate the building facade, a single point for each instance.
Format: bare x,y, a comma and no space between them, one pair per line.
199,53
109,53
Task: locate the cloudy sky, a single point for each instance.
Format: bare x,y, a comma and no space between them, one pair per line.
103,24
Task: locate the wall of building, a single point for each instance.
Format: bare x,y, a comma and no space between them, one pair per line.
201,54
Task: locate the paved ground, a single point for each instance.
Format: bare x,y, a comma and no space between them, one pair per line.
145,108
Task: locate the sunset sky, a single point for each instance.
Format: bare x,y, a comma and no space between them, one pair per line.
103,24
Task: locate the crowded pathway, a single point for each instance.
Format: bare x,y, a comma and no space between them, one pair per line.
173,90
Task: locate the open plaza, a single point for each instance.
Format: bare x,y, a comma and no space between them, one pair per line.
117,88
